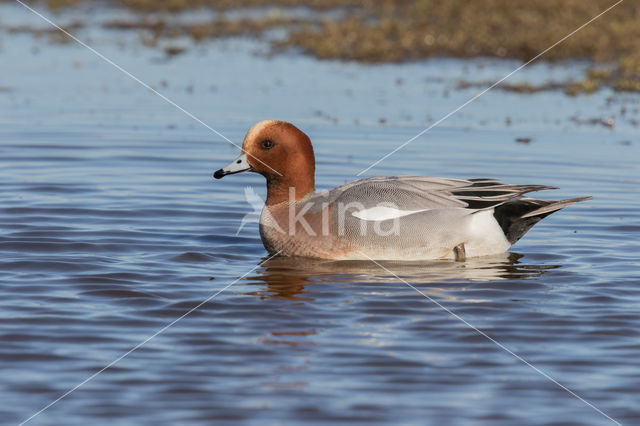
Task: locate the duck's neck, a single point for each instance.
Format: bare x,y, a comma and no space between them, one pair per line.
289,188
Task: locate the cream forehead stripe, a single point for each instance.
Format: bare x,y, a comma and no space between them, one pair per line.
378,213
259,127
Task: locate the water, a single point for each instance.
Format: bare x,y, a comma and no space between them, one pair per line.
112,228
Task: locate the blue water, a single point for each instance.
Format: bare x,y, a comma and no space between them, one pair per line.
111,228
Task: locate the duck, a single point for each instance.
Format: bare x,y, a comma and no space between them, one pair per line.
396,218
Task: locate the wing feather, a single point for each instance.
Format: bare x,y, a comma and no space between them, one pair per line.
427,193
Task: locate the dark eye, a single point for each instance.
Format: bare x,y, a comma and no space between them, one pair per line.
267,144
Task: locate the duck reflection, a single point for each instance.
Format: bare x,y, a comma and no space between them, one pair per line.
291,277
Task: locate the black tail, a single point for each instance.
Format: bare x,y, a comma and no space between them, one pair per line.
518,216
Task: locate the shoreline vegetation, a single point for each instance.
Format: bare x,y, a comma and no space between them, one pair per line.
396,31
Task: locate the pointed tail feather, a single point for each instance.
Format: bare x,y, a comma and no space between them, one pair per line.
553,206
518,216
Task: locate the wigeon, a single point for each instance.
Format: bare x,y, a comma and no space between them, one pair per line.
384,218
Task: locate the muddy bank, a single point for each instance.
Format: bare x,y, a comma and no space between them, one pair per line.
403,30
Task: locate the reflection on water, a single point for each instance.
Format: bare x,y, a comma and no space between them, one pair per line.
292,277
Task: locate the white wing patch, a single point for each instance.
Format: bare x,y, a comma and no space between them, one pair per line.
378,213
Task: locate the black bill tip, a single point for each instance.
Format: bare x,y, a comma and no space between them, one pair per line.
219,174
